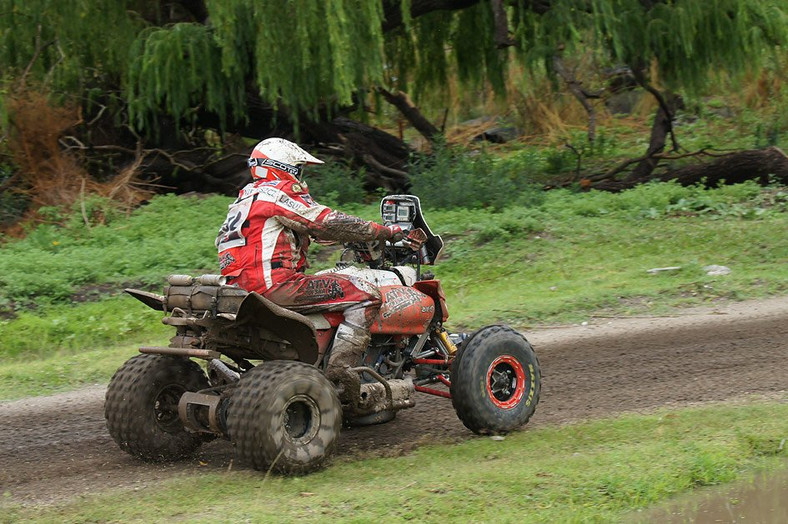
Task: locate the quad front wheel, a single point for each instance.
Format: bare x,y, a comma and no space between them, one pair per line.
284,416
495,381
141,406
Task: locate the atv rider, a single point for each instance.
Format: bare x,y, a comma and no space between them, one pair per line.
263,246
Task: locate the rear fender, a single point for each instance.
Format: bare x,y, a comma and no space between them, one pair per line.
152,300
285,324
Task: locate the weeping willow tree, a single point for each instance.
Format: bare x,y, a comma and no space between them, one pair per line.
685,44
170,83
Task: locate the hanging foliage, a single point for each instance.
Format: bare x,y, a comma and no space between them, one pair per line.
476,59
301,53
179,69
73,45
685,38
302,56
222,70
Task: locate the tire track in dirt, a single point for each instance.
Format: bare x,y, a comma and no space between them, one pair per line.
55,448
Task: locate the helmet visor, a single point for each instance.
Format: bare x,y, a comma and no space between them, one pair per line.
295,171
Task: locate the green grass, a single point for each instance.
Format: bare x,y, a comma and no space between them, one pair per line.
62,371
72,329
56,261
602,265
575,255
590,472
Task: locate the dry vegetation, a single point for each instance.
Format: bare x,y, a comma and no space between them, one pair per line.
47,175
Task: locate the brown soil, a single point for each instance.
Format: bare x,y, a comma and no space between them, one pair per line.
57,448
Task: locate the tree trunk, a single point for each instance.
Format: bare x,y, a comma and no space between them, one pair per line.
576,88
402,102
661,128
385,156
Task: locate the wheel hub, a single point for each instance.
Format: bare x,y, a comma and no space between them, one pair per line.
505,381
165,407
301,419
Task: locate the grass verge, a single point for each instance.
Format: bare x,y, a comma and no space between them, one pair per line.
588,472
62,371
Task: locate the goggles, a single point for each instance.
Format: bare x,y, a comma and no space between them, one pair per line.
270,162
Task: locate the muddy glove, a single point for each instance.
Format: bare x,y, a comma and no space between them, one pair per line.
415,239
396,233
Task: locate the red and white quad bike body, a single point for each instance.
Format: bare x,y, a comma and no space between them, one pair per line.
263,385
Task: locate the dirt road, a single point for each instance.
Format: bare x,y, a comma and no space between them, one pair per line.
55,448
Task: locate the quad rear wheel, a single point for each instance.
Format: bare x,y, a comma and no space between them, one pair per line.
284,416
495,381
141,406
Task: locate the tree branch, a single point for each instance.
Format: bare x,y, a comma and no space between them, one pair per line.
611,173
577,90
392,10
637,74
401,101
39,49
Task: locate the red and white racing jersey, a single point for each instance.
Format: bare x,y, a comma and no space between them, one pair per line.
265,237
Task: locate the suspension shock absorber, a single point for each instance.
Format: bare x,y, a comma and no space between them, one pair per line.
443,336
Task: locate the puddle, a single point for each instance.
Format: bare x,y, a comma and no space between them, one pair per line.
760,500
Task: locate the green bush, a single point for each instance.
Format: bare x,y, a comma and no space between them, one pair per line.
453,178
335,184
509,224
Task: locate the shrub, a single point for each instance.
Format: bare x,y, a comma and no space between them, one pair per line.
452,178
335,184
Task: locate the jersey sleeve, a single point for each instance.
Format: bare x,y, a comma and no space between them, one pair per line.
323,222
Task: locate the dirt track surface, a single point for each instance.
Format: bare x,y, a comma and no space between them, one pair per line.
56,448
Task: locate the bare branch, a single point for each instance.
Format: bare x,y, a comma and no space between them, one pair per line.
578,154
37,53
371,160
575,86
59,60
10,181
98,116
141,153
401,101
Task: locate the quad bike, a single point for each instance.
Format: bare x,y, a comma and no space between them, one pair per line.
263,386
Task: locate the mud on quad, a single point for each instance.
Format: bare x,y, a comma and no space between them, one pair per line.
263,386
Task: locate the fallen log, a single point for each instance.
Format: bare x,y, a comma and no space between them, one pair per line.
762,165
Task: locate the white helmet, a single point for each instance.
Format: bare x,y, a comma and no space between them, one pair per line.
279,159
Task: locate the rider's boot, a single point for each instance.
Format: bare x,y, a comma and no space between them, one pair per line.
350,342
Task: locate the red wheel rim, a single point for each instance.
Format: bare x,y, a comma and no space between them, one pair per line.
506,382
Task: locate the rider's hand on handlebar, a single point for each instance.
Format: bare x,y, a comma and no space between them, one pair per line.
396,233
414,238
